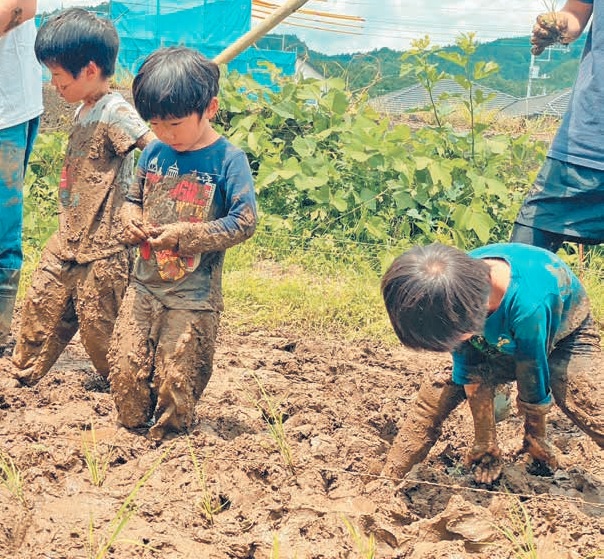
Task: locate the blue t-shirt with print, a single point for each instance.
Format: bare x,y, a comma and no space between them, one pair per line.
210,192
543,304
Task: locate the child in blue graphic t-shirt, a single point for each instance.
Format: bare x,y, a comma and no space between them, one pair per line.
192,199
506,312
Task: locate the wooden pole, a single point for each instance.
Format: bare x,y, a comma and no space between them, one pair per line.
288,8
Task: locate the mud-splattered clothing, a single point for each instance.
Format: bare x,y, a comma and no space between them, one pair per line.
98,170
65,296
542,306
83,272
210,191
163,344
542,337
161,361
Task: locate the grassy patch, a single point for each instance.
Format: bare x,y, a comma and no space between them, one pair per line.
330,290
305,290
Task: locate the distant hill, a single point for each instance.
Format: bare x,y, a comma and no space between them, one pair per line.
378,70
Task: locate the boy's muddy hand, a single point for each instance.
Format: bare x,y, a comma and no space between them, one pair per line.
485,456
486,463
540,450
134,233
132,219
164,237
535,433
550,28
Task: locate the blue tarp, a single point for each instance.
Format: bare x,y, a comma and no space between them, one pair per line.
206,25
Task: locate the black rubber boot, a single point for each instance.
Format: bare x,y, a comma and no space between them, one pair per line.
9,285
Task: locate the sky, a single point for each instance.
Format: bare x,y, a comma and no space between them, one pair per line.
395,23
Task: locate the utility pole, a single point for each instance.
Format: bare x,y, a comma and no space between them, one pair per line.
534,71
288,8
546,57
533,74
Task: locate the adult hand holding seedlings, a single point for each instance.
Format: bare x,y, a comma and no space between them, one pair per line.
550,28
562,26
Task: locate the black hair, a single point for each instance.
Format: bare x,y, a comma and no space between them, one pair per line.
76,37
175,82
436,294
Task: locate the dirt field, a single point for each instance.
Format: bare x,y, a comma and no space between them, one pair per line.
341,404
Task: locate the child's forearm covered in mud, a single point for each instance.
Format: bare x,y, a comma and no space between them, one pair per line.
189,239
436,399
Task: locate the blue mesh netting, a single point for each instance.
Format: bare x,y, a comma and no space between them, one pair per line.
207,25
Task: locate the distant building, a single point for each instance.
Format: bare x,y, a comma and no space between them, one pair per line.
416,98
553,104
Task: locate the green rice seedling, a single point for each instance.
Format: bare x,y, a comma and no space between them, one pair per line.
209,504
274,418
365,545
519,533
97,459
99,550
275,548
11,477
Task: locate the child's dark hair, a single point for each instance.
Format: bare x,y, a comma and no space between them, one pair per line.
76,37
436,294
175,82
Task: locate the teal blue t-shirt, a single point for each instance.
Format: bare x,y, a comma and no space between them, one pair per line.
543,304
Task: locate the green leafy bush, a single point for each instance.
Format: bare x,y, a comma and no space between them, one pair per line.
327,164
40,191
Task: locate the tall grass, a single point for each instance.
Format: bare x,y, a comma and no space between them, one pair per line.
588,264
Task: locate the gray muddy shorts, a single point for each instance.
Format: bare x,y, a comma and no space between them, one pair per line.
566,199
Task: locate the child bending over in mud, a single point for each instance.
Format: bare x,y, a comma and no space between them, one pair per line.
83,270
192,199
506,312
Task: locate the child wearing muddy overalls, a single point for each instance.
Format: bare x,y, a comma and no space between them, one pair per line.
192,199
83,271
506,312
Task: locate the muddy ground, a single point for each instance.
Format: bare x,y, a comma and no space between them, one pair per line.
341,403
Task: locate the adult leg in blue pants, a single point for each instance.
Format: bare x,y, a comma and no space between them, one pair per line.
16,143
